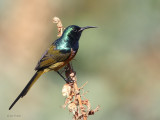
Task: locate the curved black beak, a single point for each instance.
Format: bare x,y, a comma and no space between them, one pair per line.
87,27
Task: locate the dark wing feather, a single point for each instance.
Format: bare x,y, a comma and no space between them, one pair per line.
52,56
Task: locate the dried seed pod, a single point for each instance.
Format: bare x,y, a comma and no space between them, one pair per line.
72,108
66,90
59,26
56,20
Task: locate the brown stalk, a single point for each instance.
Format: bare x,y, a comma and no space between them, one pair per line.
70,73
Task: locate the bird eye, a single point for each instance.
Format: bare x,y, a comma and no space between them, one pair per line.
75,30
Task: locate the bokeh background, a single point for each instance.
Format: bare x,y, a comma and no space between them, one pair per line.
120,60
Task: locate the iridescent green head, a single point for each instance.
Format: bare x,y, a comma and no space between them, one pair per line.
75,31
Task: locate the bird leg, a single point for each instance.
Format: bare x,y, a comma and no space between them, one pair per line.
65,79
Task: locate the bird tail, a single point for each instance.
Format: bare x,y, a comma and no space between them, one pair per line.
28,86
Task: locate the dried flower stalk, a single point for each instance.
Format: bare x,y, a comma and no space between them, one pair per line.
59,26
81,109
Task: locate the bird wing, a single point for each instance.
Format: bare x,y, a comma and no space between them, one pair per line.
52,56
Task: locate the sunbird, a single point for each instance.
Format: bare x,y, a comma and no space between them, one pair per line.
59,54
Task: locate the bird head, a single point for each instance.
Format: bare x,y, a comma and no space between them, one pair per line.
75,31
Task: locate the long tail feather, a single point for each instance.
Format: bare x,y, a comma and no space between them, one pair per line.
28,86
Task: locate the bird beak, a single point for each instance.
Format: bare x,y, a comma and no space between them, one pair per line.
87,27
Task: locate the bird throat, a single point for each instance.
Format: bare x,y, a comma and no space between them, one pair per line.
66,42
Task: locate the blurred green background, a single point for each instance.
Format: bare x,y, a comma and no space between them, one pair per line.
120,60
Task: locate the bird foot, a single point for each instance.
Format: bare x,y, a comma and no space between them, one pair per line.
69,81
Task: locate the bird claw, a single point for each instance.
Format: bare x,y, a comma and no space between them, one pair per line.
69,81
